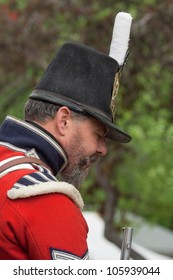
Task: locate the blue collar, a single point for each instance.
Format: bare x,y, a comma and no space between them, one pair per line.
30,137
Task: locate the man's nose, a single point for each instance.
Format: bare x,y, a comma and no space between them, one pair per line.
102,148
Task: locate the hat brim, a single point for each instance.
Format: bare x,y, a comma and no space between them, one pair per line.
114,132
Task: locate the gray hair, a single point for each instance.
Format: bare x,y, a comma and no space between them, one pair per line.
41,111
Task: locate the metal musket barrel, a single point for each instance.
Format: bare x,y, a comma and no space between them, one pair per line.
126,243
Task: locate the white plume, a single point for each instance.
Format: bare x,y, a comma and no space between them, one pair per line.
120,37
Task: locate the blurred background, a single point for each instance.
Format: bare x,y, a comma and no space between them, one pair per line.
133,184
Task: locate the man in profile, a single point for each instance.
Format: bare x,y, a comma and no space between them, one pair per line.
67,119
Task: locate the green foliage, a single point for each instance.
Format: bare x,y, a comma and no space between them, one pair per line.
146,177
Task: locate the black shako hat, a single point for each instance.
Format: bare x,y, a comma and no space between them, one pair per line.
82,79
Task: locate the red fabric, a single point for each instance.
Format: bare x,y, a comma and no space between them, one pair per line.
30,227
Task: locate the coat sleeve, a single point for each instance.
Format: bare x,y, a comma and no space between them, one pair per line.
48,226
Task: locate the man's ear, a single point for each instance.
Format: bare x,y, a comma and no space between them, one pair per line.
63,116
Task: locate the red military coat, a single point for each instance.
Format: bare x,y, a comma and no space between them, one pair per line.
40,218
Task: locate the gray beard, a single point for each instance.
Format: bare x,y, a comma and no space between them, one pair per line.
76,177
78,173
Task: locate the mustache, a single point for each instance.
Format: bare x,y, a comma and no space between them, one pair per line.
88,160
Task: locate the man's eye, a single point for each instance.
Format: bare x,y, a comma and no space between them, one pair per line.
99,135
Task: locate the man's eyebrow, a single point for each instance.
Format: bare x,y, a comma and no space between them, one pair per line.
103,130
